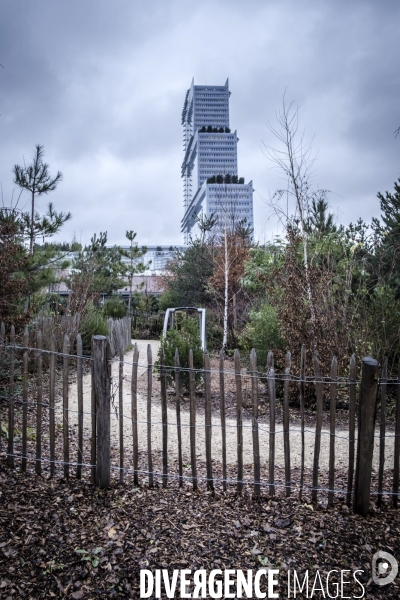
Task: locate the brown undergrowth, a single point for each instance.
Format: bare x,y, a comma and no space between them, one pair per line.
67,539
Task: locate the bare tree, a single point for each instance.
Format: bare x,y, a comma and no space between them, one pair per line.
232,244
295,160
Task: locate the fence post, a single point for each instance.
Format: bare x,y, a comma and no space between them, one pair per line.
149,390
66,349
11,401
178,414
352,425
25,399
207,420
222,411
121,414
239,420
164,419
366,431
135,439
2,343
318,427
192,416
79,378
39,402
286,440
102,385
332,417
272,409
256,442
303,357
383,387
395,489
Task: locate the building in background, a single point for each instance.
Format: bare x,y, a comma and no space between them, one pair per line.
156,258
149,282
210,166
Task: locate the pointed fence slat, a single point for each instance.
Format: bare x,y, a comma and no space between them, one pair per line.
79,378
25,357
52,391
256,441
382,430
223,418
39,403
66,349
11,402
93,449
318,427
207,420
352,426
396,458
2,342
272,411
178,414
164,419
192,416
52,386
149,390
134,413
332,430
222,415
121,412
286,439
239,421
102,385
302,419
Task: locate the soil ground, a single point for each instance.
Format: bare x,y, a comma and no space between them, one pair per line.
64,538
67,539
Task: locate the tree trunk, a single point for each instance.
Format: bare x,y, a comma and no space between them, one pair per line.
32,221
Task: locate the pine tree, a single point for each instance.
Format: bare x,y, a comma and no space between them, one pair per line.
36,179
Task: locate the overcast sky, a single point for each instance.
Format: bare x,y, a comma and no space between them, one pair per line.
101,84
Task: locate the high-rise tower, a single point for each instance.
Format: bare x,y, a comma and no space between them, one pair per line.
209,168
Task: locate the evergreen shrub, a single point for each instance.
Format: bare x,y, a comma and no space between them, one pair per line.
185,336
114,307
92,322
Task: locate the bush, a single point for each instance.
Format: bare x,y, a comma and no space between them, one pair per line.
168,299
185,336
114,307
262,333
93,322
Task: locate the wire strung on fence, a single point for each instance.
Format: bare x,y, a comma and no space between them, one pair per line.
227,426
101,387
229,480
260,375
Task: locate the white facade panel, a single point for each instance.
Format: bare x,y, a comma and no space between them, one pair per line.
211,151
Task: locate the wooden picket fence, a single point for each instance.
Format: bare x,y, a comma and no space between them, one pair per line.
360,446
119,334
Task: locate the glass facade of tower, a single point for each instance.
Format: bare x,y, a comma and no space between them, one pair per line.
210,167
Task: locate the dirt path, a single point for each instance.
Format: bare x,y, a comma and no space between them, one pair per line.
341,443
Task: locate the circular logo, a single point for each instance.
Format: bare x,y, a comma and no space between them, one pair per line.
384,568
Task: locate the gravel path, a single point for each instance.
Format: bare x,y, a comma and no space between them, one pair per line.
341,445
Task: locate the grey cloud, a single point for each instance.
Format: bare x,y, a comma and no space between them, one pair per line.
101,85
